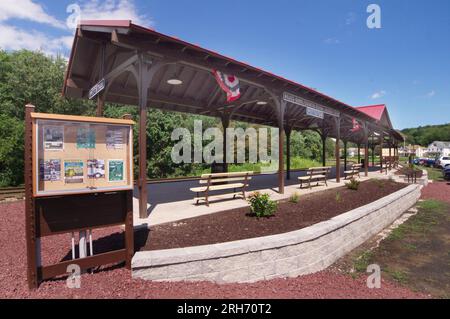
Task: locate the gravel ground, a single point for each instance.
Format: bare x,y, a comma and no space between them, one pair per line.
116,282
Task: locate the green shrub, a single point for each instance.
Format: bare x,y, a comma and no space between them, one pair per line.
338,197
353,184
379,182
295,198
261,205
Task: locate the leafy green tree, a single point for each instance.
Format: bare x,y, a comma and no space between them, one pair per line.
425,135
11,151
32,77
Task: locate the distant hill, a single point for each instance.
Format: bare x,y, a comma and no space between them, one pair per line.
424,135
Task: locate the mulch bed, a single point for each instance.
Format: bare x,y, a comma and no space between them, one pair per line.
238,224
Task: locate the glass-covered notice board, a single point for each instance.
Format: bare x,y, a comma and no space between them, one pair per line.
77,154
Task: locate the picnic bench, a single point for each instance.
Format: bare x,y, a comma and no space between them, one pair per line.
354,170
318,174
237,182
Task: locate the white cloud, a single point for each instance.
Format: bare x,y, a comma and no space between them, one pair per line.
331,41
378,94
13,38
112,10
27,10
431,93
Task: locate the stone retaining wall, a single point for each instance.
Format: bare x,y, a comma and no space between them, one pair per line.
286,255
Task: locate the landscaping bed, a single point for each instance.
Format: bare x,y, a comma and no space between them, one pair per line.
409,171
238,224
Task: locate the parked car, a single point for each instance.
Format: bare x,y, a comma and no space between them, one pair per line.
430,162
446,172
420,161
442,161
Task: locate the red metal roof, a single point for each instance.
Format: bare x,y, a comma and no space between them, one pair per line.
131,25
374,111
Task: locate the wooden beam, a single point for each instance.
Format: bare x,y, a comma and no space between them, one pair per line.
288,131
282,106
337,150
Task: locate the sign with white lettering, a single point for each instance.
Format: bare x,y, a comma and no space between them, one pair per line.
314,113
96,89
316,110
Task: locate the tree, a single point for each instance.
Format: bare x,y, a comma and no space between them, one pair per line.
11,151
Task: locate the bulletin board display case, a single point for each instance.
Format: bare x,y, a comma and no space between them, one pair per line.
77,154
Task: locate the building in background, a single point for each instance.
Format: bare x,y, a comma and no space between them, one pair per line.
439,148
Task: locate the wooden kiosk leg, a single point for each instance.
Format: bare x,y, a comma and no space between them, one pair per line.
30,217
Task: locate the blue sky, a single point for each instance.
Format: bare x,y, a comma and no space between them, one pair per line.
324,44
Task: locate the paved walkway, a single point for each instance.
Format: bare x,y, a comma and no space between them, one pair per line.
173,201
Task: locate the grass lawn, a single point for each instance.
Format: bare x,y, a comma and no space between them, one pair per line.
296,163
417,253
434,174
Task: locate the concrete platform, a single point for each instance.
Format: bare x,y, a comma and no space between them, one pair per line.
172,201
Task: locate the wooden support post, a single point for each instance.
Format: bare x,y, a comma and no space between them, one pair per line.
345,155
101,96
33,246
373,151
143,96
282,105
100,104
390,153
337,150
366,150
324,149
381,151
129,230
225,124
288,132
359,153
145,71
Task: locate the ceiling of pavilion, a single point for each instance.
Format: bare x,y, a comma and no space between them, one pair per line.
114,42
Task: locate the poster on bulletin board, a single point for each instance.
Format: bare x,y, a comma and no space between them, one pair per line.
76,154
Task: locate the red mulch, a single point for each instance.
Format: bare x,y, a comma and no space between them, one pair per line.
237,224
116,282
437,190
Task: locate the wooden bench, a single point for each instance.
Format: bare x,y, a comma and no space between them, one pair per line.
222,182
354,170
317,174
385,165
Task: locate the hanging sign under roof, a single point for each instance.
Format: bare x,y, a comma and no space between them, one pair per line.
312,109
314,113
96,89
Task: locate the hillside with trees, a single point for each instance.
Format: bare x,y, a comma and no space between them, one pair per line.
32,77
425,135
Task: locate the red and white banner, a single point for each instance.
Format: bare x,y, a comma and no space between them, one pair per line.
356,126
228,83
